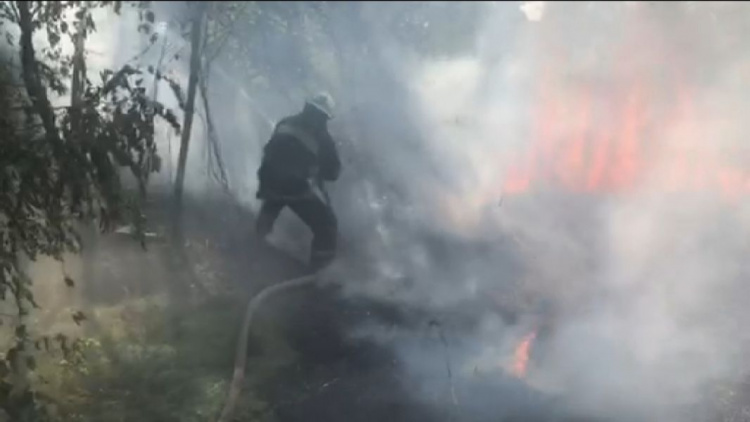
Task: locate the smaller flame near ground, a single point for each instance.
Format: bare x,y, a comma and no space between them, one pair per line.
521,355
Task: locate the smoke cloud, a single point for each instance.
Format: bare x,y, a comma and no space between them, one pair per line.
590,161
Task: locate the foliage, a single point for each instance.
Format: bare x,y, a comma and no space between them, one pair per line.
63,164
137,371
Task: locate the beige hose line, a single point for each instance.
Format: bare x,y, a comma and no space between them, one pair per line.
240,360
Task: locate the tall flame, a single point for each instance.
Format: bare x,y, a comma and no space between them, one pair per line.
521,355
632,116
603,134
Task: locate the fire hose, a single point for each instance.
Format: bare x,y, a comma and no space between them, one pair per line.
240,360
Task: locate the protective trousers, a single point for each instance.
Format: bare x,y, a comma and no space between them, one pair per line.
316,214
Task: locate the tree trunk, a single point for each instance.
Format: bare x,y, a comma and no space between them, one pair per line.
31,76
79,79
155,93
178,255
195,68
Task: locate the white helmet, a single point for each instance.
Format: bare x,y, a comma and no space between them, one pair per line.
323,102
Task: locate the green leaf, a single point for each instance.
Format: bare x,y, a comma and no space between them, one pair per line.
54,38
29,295
78,317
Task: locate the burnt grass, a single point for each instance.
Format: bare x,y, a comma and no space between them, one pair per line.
340,377
335,376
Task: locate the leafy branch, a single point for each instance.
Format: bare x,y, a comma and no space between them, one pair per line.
59,165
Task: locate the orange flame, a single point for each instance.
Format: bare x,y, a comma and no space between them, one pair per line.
587,139
521,355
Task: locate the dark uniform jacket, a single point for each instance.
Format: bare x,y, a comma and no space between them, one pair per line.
300,154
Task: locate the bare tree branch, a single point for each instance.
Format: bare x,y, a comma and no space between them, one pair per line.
195,68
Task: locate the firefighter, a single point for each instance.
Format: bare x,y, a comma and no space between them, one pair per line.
297,160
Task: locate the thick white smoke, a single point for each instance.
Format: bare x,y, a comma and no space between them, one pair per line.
647,279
